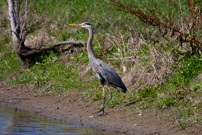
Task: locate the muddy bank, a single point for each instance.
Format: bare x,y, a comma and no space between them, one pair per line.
69,107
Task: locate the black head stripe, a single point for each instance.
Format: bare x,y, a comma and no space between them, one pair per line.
87,23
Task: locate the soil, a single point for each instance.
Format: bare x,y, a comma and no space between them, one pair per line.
69,107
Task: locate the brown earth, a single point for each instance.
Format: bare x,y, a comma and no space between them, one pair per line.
69,107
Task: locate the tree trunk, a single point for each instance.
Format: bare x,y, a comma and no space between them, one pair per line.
17,43
19,33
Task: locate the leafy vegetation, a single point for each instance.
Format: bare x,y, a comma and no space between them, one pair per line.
157,71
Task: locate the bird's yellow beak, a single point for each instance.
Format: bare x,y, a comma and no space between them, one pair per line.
78,25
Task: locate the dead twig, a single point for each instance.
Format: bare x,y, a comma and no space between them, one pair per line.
131,58
44,90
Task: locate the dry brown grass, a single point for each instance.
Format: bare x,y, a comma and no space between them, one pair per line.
141,71
41,37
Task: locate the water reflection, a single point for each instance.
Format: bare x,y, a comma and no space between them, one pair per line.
18,122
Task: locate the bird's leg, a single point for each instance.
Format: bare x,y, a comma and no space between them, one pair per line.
103,95
109,98
104,104
103,99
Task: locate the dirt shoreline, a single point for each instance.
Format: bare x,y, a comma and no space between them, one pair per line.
69,107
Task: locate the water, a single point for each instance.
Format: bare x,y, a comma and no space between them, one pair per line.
18,122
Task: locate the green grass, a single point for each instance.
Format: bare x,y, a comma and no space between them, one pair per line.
179,93
9,63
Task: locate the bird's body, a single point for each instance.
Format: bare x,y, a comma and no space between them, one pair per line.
105,74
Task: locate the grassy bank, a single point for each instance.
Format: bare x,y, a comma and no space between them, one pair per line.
158,73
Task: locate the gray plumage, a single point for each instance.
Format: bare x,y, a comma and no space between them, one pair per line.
105,74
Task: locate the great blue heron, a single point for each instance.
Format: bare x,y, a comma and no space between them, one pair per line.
105,74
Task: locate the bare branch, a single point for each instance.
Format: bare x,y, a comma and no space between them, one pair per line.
131,58
17,35
18,7
39,49
158,21
25,20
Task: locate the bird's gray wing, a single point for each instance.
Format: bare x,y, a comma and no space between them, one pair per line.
110,75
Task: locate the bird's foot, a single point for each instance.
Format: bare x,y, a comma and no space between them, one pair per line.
103,114
101,110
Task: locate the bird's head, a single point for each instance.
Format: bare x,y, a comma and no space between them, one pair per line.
83,25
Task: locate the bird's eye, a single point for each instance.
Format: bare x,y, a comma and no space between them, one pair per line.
84,24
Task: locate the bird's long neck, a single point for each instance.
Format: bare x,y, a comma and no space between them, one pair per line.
91,54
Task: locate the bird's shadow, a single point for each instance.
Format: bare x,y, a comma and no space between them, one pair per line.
103,114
